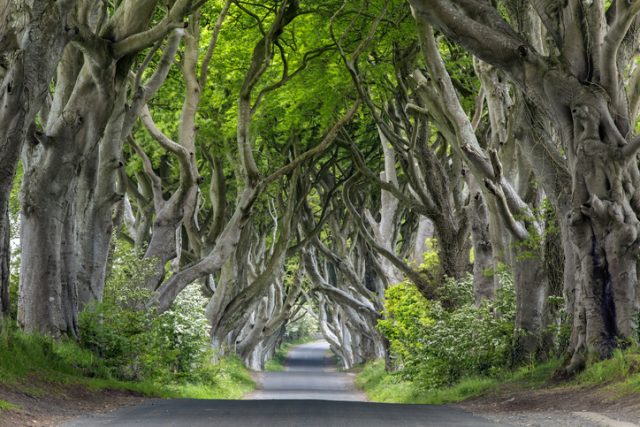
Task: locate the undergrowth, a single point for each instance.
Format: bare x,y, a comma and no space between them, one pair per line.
382,386
30,362
618,376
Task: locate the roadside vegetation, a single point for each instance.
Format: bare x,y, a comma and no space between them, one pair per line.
121,345
449,349
618,377
33,364
181,180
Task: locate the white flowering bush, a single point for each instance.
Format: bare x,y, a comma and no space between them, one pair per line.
135,342
181,335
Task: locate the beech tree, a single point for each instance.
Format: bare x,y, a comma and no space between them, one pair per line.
572,64
71,162
32,39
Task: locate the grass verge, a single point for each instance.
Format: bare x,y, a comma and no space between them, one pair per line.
381,386
618,376
32,363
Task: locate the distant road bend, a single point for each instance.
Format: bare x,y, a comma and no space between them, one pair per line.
310,392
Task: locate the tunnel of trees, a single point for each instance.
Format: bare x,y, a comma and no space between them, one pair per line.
352,161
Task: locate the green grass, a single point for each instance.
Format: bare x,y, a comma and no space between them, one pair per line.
276,364
30,363
7,406
381,386
618,376
621,373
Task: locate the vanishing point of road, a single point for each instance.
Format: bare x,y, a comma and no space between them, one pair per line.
310,392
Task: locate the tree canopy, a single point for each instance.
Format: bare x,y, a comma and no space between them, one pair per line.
334,160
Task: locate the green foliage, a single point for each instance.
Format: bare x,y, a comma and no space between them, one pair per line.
437,346
118,328
456,293
22,354
382,386
181,336
138,344
124,346
430,256
32,363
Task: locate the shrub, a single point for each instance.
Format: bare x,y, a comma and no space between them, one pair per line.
135,342
118,328
438,346
180,337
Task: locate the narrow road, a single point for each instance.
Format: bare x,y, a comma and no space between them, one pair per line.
310,392
309,374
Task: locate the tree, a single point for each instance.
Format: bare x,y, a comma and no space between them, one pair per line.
71,161
575,83
32,38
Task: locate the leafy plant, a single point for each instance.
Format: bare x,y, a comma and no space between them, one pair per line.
438,346
134,341
180,337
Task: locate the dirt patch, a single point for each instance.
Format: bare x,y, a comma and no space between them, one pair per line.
50,404
532,407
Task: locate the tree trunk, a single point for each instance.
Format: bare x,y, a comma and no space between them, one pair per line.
42,293
586,103
32,63
97,194
49,218
5,262
531,302
483,261
425,231
454,247
60,164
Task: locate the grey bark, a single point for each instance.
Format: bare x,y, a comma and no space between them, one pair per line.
5,262
525,251
435,183
593,128
60,161
33,37
483,263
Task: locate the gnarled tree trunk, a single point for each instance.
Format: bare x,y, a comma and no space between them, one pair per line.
30,64
586,104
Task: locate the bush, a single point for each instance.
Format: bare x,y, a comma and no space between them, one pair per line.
135,342
180,338
438,346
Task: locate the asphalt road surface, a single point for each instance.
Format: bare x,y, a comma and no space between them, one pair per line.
310,392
